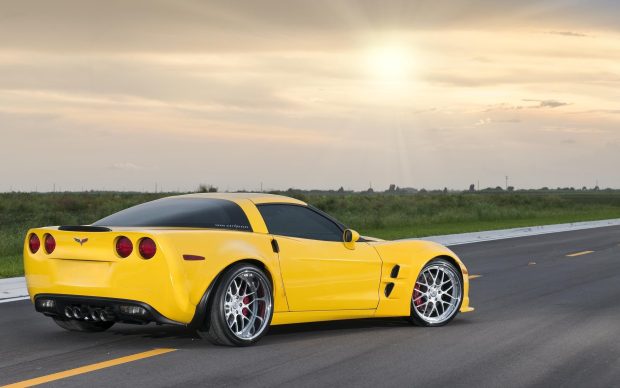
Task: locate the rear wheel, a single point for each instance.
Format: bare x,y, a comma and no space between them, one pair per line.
75,325
242,307
437,294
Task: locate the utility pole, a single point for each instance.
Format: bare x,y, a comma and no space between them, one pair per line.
506,182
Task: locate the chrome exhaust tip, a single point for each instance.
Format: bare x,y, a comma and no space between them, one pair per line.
77,313
105,316
68,312
94,314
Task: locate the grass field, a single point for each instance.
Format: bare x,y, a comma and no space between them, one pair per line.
383,215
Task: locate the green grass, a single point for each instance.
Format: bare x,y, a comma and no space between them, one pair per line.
388,216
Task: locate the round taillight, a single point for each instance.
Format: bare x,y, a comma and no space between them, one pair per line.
147,248
124,247
34,243
50,243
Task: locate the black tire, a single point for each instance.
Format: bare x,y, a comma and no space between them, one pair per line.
217,330
432,295
75,325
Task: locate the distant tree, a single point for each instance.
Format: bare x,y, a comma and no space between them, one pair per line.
499,188
423,191
445,190
544,188
392,188
584,188
370,190
207,189
472,187
596,188
510,188
341,189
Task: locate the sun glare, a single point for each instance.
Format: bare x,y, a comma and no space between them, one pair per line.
391,63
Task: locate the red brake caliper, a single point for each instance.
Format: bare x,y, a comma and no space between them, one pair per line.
417,300
245,311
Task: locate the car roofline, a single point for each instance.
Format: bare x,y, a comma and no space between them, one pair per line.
256,198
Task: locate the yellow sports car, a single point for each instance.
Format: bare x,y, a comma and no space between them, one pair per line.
231,265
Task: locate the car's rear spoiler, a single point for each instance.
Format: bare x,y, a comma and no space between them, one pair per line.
84,228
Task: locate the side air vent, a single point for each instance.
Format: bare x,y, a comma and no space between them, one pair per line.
395,271
84,228
388,289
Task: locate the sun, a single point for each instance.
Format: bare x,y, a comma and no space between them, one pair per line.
390,63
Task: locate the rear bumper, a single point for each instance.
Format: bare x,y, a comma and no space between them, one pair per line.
114,309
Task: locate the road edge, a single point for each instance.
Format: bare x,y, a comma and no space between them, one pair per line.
503,234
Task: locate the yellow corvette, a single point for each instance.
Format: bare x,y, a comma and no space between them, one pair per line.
231,265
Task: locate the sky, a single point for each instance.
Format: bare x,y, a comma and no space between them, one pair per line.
167,95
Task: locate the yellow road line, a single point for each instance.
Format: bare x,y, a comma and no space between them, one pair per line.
474,276
88,368
579,253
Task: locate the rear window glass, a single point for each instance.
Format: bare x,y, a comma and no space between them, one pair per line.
182,212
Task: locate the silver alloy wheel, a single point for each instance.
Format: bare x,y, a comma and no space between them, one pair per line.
247,305
437,293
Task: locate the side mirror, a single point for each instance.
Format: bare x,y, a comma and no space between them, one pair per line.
350,237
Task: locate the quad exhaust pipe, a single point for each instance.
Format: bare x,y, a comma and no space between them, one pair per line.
95,314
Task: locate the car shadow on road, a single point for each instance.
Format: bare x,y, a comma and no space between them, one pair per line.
350,324
283,333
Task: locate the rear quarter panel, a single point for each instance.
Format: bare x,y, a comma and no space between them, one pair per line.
167,282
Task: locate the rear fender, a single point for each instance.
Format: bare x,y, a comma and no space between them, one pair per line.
220,250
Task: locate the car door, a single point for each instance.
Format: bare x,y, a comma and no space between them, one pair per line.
319,272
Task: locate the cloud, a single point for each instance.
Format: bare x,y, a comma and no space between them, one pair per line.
568,33
482,122
265,25
548,103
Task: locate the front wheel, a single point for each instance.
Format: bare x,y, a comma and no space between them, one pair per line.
437,294
242,307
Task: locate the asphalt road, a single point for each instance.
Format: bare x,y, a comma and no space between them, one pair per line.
553,323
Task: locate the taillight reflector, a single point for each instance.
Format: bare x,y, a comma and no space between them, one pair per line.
124,247
34,243
50,243
147,248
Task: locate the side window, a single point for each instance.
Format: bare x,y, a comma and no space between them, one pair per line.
299,221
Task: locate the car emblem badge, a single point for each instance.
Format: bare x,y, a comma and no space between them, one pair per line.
81,241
